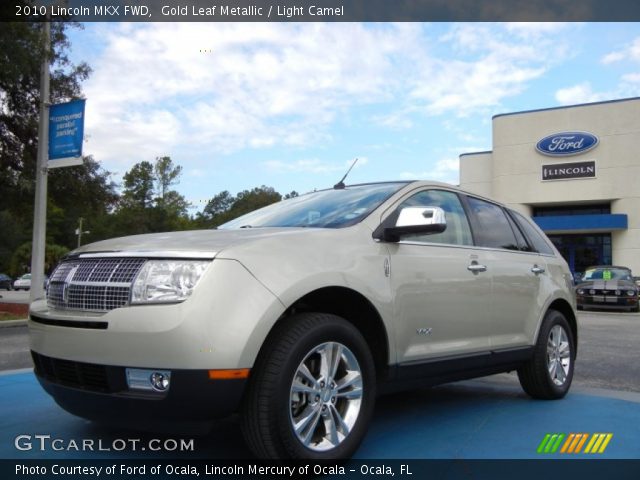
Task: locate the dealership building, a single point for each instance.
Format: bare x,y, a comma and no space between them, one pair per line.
576,171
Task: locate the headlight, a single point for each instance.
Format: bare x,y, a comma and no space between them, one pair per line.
592,292
618,292
631,293
167,280
581,291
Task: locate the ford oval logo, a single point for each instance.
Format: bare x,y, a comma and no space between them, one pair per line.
566,143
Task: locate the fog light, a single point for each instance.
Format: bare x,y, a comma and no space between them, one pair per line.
148,380
159,381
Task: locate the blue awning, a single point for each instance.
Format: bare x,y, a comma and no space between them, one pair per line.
582,223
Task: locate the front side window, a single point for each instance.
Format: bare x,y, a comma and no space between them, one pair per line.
494,228
333,208
457,232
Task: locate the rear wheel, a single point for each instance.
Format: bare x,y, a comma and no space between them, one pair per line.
312,391
549,373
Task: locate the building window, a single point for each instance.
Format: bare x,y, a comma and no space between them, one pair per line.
562,210
584,250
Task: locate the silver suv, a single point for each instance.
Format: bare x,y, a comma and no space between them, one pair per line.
298,314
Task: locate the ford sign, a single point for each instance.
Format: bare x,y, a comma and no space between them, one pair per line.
566,143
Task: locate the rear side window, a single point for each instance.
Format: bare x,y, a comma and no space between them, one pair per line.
494,228
536,239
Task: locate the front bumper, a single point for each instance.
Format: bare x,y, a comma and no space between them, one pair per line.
607,302
100,393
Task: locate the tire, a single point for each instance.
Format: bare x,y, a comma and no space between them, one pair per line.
549,373
288,386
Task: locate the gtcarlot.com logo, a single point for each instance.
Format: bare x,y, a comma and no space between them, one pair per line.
575,443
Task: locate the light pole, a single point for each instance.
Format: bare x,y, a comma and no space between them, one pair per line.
79,231
40,204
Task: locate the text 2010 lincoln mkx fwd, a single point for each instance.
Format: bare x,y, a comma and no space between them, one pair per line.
298,314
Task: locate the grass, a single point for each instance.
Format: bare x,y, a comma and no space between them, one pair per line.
11,316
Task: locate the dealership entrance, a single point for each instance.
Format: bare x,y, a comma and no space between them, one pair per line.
574,169
583,251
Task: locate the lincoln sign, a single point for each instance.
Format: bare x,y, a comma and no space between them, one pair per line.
564,171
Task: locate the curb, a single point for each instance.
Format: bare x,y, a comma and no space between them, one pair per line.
12,323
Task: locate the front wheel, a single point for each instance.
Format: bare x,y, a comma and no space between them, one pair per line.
549,373
312,390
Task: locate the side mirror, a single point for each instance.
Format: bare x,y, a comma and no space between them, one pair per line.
425,220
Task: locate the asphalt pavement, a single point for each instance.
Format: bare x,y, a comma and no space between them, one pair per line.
14,348
478,419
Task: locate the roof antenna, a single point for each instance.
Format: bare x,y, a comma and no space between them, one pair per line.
340,185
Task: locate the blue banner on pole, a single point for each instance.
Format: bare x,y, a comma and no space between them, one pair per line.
66,132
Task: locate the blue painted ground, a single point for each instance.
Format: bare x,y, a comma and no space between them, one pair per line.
468,420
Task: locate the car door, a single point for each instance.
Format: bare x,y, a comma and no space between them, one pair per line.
517,273
442,295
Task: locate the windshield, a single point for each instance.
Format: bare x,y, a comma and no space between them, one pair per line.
324,209
607,274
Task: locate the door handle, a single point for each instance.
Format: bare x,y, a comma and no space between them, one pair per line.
475,267
537,270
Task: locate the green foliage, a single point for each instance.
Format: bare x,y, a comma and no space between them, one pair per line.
21,54
21,258
224,207
166,175
138,187
148,204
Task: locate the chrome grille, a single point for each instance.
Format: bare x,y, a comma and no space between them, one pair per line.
96,284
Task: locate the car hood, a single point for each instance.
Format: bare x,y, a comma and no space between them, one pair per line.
607,284
197,243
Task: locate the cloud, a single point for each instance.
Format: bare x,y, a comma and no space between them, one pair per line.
630,52
491,63
631,78
313,165
580,93
629,86
445,170
233,86
225,87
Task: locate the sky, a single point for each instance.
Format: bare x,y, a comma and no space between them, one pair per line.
239,105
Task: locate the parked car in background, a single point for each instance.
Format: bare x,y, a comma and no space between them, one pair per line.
23,283
607,287
5,282
297,314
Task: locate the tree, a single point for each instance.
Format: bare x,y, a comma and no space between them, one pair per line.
138,186
22,50
73,191
166,175
218,204
21,258
224,207
148,204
